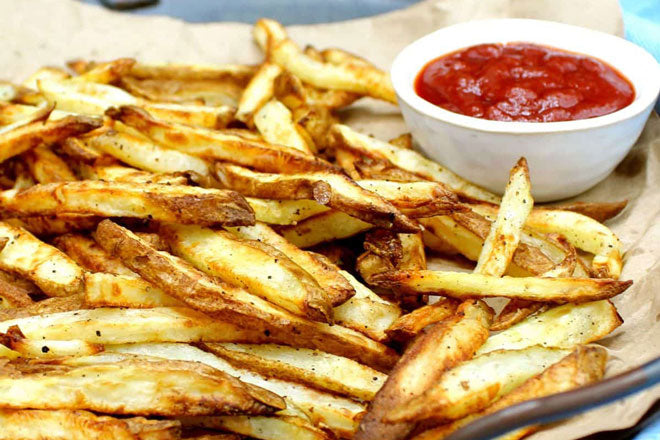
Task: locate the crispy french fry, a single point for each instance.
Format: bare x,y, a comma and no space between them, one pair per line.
580,324
323,227
55,304
409,160
55,225
46,166
50,269
32,348
146,155
262,427
386,251
11,113
238,73
35,424
15,140
295,94
220,146
311,367
284,212
84,251
582,367
7,353
13,296
411,324
504,235
404,140
119,173
599,211
334,190
141,386
362,79
78,150
473,285
106,73
209,92
327,275
488,377
334,55
229,258
45,73
366,312
258,91
223,301
316,121
423,363
183,204
338,414
274,122
121,290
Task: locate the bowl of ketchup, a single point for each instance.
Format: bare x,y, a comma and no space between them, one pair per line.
479,95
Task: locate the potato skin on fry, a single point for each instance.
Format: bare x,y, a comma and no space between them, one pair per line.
182,204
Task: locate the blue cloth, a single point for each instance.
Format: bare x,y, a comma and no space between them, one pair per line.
641,19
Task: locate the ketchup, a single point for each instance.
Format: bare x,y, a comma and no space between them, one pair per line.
523,82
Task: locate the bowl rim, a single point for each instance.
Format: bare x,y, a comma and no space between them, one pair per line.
404,85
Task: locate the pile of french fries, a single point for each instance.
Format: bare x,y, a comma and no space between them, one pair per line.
205,251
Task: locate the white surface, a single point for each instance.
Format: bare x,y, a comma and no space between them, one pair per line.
565,158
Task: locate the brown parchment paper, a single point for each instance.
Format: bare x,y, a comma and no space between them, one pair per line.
48,32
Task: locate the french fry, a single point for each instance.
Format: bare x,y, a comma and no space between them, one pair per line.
404,140
13,296
84,251
121,290
599,211
76,149
316,121
338,289
335,190
223,301
35,424
284,212
15,140
295,94
240,74
119,173
45,73
311,367
366,312
55,304
324,227
262,427
471,386
140,386
220,146
581,324
229,258
55,225
183,204
440,349
338,414
362,79
582,367
473,285
274,122
409,160
7,353
11,113
106,73
504,235
386,251
208,92
46,166
31,348
50,269
258,91
411,324
145,155
338,56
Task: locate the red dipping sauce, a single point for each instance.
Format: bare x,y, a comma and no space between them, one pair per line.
523,82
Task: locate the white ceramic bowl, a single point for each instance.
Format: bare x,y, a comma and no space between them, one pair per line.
565,158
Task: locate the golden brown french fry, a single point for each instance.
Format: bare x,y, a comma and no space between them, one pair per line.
366,312
327,275
55,225
335,190
311,367
387,251
78,150
580,324
473,285
582,367
46,166
323,227
35,424
238,73
125,384
334,55
409,160
338,414
15,140
274,122
119,173
316,121
411,324
258,91
231,259
358,78
55,304
220,146
473,385
121,290
206,91
13,296
284,212
50,269
211,297
504,235
11,113
440,349
145,155
107,72
404,140
262,427
295,94
41,348
84,251
45,73
182,204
